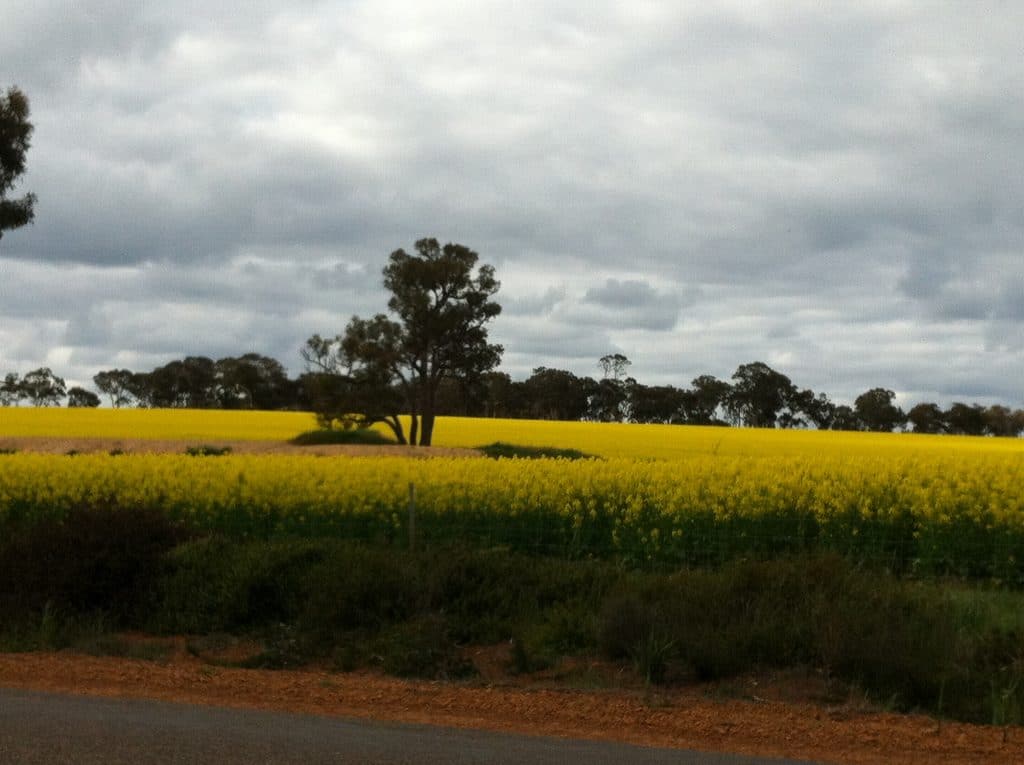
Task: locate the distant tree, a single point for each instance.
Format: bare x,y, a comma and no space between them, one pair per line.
661,404
116,384
80,397
252,381
441,309
703,402
43,388
140,389
15,132
877,412
614,366
556,394
504,398
608,399
1001,421
966,419
758,396
351,380
189,383
844,418
927,417
12,392
807,409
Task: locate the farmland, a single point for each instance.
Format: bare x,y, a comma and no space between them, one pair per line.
656,495
891,562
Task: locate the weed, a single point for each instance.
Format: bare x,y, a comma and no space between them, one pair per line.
207,450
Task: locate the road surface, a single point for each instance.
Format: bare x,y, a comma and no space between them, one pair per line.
52,729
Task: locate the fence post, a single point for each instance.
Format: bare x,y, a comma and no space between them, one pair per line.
412,516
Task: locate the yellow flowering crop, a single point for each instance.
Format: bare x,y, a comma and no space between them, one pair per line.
600,439
930,511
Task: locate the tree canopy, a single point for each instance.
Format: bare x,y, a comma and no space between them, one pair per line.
441,308
15,132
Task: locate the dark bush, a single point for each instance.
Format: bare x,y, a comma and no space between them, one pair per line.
886,636
422,647
93,559
219,585
359,589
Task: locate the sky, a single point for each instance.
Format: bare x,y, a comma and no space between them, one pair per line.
834,189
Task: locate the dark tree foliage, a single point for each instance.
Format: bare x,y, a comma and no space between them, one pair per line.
877,412
186,383
15,132
555,394
351,382
441,309
252,381
807,409
43,388
80,397
965,419
1003,421
659,404
844,418
11,391
927,417
703,402
614,366
503,397
116,384
759,395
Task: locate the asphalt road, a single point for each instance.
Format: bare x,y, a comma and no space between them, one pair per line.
53,729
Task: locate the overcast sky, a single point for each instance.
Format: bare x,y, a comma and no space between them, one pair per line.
834,189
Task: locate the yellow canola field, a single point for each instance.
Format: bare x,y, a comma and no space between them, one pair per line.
599,439
925,513
155,424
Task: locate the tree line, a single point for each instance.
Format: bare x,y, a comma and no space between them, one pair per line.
755,396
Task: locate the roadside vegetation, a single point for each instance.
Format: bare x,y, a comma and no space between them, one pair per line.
949,649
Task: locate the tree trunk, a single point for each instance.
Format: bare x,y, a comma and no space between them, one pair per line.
427,430
396,427
427,416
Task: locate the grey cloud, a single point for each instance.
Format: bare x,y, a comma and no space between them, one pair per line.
630,304
694,186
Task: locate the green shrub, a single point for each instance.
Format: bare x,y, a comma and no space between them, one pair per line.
220,585
889,637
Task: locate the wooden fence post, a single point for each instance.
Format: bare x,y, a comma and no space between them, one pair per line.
412,516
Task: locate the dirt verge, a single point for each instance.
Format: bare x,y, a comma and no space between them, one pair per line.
745,717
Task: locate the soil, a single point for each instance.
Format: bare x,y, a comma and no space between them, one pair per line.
49,445
781,715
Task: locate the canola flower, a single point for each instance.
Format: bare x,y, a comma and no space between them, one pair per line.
155,424
599,439
925,512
